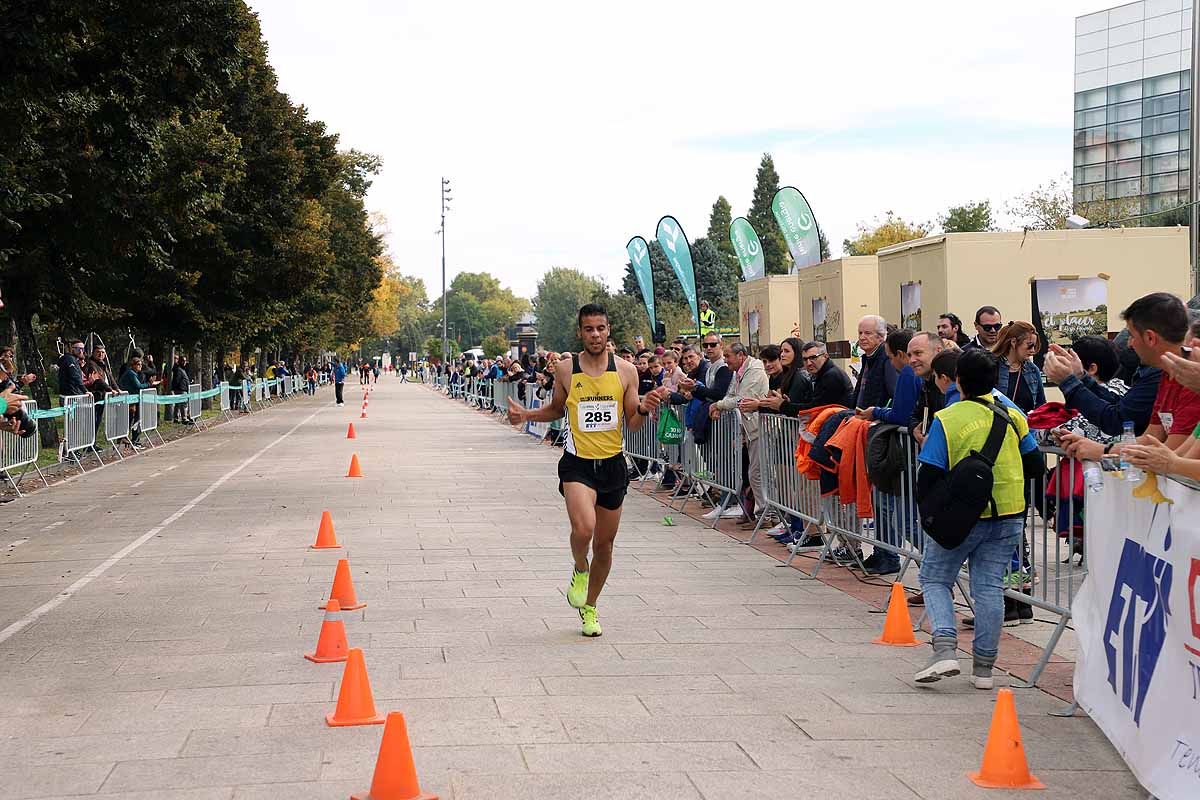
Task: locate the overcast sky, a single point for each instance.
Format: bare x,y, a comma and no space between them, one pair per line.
566,129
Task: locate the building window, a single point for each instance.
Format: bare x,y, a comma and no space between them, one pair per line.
1091,155
1165,163
1126,188
1091,99
1167,123
1089,119
1164,201
1089,194
1126,111
1123,150
1125,91
1124,169
1092,174
1164,143
1125,130
1167,182
1162,84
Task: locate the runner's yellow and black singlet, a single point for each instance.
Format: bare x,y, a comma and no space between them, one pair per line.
594,410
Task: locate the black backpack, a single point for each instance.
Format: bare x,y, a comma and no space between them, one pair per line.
952,508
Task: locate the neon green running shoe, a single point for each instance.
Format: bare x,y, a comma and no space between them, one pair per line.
577,590
590,626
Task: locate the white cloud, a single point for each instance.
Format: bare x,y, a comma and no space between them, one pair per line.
568,128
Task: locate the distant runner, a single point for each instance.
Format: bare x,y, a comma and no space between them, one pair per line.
598,391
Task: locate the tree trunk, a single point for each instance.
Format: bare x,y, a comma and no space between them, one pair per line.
206,371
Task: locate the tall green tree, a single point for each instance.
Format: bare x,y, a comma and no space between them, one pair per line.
968,218
718,226
766,184
560,294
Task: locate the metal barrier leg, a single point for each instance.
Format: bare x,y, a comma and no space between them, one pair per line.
16,487
1046,653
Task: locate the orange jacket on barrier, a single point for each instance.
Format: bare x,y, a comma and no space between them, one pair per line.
853,485
805,465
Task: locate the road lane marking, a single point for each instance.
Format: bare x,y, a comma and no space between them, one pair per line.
74,588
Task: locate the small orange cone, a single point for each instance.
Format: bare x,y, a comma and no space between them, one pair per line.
355,469
355,705
326,540
363,415
331,644
897,627
395,776
350,434
343,589
1004,764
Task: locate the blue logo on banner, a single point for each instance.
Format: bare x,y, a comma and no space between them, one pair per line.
1137,624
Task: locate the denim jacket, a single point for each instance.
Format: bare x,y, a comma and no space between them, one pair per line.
1030,375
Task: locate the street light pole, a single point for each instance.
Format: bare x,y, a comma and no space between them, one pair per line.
445,208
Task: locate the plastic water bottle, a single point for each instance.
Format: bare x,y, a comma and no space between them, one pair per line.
1093,477
1132,473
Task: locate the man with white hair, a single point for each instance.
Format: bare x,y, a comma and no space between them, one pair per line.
876,377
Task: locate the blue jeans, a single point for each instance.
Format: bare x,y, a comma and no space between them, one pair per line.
988,549
892,528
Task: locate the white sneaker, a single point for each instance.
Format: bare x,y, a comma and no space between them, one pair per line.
716,512
731,512
778,529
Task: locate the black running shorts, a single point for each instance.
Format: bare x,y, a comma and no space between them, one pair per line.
608,477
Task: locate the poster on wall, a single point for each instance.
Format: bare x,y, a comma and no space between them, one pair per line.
820,318
752,323
910,306
1066,308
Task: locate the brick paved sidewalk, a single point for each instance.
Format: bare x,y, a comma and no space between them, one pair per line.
178,673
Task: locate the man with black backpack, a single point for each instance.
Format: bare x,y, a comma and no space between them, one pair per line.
971,494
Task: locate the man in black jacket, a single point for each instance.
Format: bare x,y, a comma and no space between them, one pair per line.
180,384
831,385
877,377
70,372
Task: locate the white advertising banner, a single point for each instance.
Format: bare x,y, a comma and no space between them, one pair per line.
1137,616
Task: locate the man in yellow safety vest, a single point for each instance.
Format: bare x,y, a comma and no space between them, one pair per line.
708,319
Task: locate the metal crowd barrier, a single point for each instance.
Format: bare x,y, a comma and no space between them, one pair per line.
226,402
116,421
193,405
80,428
642,446
148,414
20,452
717,463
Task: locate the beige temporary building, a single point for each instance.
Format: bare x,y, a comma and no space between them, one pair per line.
959,272
843,289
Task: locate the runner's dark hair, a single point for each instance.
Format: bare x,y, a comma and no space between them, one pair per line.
592,310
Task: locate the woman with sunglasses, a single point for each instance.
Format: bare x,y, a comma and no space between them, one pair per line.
1017,377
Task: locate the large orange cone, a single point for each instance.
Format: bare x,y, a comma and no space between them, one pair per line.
326,540
1004,765
395,776
897,627
355,705
331,644
343,589
350,434
355,469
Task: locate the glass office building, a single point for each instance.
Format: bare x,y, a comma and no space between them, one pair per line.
1132,89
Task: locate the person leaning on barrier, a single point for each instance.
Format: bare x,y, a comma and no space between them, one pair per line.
831,384
923,348
750,382
877,376
1078,374
131,382
958,431
70,371
1158,325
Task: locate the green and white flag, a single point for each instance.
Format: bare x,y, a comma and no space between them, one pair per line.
799,227
677,250
639,256
748,248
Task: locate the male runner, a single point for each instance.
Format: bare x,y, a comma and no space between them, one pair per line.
597,390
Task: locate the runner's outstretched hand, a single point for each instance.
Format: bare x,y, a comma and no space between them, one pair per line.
652,399
516,413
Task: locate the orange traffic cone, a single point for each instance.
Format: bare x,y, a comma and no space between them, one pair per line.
1004,764
363,415
395,776
355,469
355,705
325,537
897,627
343,589
350,434
331,644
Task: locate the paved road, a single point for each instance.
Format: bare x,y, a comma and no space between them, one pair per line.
172,669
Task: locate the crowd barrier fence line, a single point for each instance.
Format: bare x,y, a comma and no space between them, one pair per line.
116,420
148,415
80,428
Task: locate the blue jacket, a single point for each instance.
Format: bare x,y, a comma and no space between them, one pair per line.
1109,411
1030,375
339,373
904,400
876,380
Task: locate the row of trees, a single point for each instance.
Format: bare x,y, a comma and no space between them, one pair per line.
155,182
